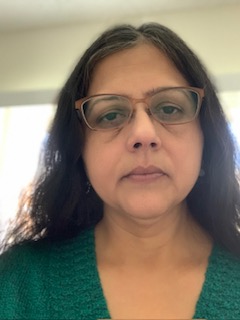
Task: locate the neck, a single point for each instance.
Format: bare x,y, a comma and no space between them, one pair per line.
172,236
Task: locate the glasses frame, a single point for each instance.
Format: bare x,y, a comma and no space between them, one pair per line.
79,105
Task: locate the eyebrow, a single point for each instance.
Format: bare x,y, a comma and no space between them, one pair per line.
107,97
147,93
155,90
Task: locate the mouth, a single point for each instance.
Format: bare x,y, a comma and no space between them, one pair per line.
142,174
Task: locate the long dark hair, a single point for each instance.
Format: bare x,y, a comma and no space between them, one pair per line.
60,206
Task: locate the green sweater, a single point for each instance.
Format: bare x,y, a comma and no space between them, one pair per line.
61,281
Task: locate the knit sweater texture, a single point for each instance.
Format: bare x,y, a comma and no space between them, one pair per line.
61,281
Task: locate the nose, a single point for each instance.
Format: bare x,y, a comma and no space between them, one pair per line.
143,134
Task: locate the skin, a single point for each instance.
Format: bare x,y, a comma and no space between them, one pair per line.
147,235
110,156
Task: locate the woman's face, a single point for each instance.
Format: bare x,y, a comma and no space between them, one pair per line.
145,169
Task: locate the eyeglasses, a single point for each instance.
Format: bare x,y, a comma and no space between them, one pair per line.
173,105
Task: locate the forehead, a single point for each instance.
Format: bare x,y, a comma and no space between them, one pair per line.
135,70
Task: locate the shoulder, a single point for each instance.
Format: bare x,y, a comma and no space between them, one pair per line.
21,267
220,294
29,255
221,291
24,250
227,265
32,273
18,255
224,272
19,264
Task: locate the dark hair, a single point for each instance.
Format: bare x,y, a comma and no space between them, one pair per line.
59,206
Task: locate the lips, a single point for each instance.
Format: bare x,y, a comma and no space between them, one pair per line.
145,173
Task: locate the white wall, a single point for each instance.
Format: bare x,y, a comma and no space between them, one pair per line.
40,60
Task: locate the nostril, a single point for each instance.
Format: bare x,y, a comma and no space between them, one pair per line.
137,145
153,145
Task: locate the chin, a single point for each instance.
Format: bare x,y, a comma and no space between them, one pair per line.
145,212
148,209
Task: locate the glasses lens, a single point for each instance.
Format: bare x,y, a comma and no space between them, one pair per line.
175,105
106,111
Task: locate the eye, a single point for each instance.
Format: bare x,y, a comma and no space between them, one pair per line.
168,112
174,105
106,111
112,118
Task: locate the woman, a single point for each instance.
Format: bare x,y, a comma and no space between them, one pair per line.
136,215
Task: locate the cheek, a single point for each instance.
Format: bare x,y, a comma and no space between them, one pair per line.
189,153
91,155
99,156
